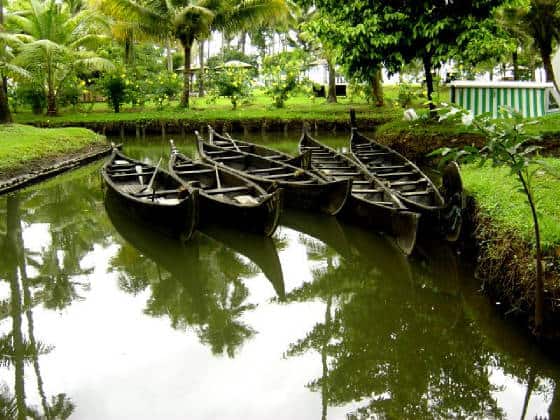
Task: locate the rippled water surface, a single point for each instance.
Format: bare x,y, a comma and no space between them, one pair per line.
104,319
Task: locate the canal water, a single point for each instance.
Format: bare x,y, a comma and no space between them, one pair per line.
103,319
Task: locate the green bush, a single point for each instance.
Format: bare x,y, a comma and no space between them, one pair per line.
114,85
31,94
164,87
233,83
282,74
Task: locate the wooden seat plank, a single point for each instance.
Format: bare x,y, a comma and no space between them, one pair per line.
226,190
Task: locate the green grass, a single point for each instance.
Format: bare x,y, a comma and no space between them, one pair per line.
20,144
260,107
496,192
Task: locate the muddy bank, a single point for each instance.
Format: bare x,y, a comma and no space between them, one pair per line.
40,169
505,265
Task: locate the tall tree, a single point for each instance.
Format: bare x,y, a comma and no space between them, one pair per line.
191,20
393,33
540,20
58,44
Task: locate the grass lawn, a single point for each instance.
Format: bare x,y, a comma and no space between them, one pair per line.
20,144
496,193
259,107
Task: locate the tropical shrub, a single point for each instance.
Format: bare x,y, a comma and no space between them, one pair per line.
114,85
232,82
31,94
164,87
282,75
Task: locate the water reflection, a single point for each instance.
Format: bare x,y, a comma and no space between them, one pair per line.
101,318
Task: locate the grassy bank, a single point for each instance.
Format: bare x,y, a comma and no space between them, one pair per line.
503,233
21,144
259,108
496,192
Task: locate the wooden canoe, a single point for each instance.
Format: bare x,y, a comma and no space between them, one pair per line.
226,198
303,160
151,195
371,203
412,186
302,189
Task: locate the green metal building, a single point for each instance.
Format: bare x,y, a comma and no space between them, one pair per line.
531,99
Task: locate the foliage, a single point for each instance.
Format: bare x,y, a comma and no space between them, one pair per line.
231,82
407,92
507,144
57,45
32,94
282,75
164,87
194,20
114,86
368,34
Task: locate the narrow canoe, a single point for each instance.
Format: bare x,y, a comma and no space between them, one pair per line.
371,204
302,189
151,195
226,141
226,198
412,186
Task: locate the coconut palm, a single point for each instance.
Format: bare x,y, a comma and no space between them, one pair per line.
191,20
58,44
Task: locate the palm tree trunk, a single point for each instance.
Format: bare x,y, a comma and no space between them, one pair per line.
169,55
187,47
242,42
201,71
5,114
331,95
515,60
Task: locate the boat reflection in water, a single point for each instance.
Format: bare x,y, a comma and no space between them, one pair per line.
197,284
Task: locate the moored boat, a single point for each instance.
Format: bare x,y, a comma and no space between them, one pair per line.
412,186
226,198
151,195
371,203
226,141
302,189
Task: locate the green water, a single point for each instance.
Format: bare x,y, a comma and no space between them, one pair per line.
104,319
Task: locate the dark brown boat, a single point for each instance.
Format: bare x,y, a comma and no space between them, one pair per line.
226,141
226,198
371,203
302,189
151,195
412,186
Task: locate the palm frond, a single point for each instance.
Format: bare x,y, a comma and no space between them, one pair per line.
15,72
90,41
253,13
129,11
193,21
95,63
34,53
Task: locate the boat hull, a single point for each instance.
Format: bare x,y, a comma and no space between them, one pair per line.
261,219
